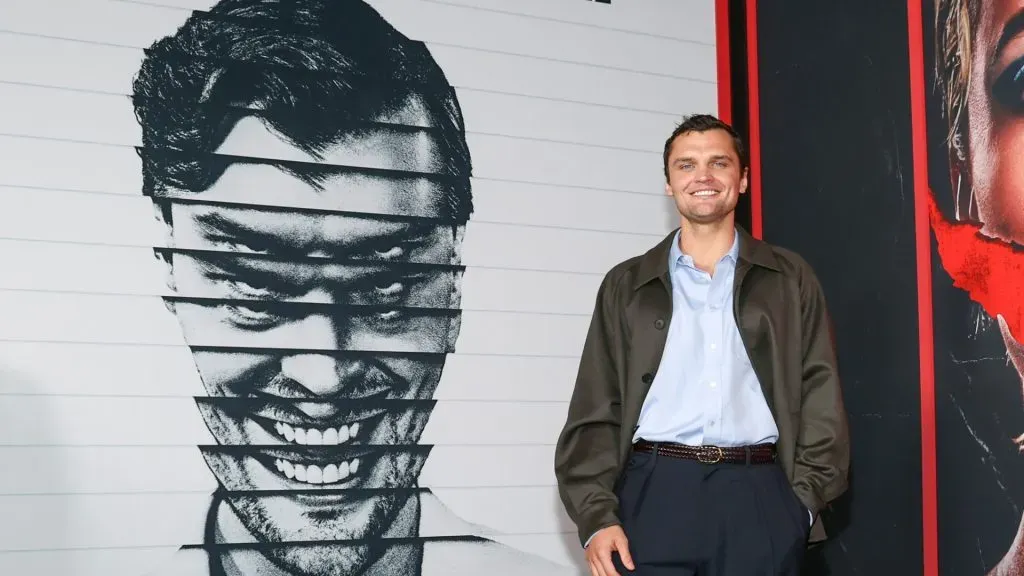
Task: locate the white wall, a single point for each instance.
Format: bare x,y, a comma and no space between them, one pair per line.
98,425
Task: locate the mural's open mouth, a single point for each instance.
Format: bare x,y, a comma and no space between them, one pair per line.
314,474
319,468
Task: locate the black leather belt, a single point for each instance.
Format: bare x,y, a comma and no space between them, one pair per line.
757,454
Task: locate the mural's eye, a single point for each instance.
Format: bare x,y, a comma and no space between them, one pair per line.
250,317
1008,89
389,289
389,253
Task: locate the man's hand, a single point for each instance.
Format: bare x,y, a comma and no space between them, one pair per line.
599,551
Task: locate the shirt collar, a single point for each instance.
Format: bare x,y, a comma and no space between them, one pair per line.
676,255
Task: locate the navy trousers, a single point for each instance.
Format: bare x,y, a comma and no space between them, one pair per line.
686,518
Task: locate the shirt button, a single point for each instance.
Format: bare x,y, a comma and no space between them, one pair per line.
659,323
714,346
712,383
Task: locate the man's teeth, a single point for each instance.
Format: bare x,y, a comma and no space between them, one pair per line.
705,193
314,437
313,474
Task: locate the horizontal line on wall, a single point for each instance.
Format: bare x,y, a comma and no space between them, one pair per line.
160,546
157,4
247,447
198,199
182,396
524,182
473,178
141,247
184,346
535,17
257,492
428,44
667,115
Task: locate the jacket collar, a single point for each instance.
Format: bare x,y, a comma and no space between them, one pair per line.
654,263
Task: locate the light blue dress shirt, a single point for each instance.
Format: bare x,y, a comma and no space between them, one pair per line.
705,390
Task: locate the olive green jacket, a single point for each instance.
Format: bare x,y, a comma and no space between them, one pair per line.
785,328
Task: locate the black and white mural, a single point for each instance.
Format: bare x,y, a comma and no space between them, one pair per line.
298,287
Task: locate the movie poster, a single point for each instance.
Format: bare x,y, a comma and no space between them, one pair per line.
299,287
974,74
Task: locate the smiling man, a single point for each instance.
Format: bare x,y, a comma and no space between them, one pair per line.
309,165
706,429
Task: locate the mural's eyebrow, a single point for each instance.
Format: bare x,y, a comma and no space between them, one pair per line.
216,224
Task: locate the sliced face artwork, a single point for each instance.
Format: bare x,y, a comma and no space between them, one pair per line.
312,262
705,176
319,336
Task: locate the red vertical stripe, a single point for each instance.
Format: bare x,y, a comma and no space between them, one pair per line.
722,57
922,232
755,120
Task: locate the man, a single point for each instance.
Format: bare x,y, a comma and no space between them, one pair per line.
310,167
706,429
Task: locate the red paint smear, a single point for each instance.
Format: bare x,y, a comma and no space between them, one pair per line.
991,271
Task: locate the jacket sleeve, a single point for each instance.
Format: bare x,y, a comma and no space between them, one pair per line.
586,452
823,443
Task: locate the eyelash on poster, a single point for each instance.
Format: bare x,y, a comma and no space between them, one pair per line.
388,287
251,318
392,248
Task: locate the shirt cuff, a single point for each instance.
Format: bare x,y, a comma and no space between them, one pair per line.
809,515
587,543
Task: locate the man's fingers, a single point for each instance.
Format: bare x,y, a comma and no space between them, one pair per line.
595,569
605,558
622,545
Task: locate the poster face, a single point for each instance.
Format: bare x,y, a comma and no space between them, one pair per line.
974,65
298,287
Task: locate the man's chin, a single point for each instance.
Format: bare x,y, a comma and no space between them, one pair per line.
323,559
311,541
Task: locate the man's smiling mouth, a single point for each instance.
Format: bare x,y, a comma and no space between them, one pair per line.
314,474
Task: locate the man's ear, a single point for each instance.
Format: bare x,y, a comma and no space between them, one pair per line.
162,215
745,181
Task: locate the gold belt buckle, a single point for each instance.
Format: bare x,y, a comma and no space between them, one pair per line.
706,452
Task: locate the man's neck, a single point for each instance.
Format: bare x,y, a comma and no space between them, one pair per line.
707,243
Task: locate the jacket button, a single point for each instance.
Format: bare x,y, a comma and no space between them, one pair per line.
659,323
647,378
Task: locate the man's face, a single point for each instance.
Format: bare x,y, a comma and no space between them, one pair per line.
995,112
704,176
316,331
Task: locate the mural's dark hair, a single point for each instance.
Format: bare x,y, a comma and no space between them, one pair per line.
314,70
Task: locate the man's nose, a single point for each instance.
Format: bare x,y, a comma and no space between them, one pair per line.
321,374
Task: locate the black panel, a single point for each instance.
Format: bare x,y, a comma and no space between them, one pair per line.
838,189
